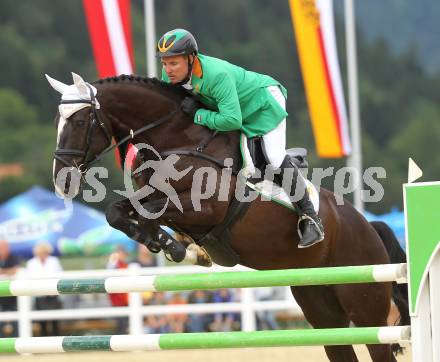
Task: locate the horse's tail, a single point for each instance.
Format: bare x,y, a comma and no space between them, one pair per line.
397,255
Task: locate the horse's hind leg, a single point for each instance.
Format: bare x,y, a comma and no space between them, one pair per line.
381,352
368,306
322,310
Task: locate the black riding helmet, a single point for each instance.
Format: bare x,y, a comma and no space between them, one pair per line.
176,42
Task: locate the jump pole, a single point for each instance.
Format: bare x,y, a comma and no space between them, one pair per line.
423,245
204,281
121,343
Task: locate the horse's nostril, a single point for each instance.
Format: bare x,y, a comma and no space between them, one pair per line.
67,184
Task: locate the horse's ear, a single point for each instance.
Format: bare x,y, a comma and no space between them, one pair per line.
56,84
77,79
80,84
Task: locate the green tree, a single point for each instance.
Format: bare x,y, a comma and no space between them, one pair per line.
399,98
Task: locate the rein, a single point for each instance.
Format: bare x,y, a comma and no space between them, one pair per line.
133,134
95,120
86,164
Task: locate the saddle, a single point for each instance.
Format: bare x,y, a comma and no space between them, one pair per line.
217,241
254,157
259,157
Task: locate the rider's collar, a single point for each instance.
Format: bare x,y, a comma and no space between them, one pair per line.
188,85
196,71
197,67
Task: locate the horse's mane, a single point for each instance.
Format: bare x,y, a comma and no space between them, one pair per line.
148,82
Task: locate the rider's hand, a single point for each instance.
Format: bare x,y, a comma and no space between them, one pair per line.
189,106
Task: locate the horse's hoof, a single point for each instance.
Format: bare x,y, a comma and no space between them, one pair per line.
154,247
197,255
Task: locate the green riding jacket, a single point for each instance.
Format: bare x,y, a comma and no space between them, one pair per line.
238,98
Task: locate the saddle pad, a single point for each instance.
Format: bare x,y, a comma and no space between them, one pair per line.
275,193
268,189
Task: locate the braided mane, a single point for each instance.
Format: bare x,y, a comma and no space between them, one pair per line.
149,82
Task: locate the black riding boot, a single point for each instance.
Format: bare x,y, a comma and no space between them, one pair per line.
310,227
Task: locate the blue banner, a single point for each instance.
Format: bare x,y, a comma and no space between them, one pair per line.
39,214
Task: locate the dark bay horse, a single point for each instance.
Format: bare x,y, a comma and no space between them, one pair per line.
265,237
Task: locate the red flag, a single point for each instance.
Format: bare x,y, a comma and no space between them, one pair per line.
109,24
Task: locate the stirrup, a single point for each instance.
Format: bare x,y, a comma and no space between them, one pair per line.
318,227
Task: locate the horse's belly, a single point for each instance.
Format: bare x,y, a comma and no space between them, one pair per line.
267,238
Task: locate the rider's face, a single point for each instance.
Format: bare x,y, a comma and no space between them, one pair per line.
176,67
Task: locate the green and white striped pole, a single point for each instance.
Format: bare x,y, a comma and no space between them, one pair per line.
244,279
308,337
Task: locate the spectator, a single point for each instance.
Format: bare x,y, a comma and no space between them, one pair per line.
223,322
9,265
156,323
199,322
177,322
45,265
119,260
145,258
266,319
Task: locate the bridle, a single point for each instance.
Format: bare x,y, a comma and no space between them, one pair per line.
95,121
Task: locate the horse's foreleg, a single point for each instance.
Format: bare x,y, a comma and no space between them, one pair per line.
179,250
122,216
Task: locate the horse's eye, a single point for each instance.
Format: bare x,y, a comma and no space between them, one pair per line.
81,123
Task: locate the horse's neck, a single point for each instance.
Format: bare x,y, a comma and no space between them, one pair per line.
129,114
131,106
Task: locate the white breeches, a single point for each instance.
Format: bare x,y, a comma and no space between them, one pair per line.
275,140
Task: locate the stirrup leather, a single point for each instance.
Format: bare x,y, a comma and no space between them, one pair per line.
318,227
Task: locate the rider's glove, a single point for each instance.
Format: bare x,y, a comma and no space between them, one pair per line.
189,106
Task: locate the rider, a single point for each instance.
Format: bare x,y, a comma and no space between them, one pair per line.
242,100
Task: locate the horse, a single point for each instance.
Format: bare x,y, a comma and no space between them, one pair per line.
263,234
